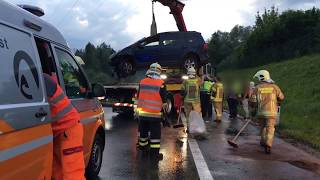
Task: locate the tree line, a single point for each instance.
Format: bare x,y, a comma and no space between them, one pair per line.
274,37
96,59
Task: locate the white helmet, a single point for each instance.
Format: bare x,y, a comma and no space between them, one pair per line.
191,72
148,73
262,75
156,66
251,84
154,70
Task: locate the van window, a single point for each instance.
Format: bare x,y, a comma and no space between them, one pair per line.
19,75
46,58
75,83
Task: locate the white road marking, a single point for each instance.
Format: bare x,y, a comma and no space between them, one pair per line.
201,165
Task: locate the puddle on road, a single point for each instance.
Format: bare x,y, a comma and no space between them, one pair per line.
252,150
310,166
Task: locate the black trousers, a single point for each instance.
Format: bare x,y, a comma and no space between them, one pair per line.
206,105
152,125
233,107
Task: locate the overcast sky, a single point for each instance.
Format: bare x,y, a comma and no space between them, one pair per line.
121,22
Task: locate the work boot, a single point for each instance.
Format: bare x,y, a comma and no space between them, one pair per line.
217,121
159,157
144,149
179,142
262,144
155,155
267,149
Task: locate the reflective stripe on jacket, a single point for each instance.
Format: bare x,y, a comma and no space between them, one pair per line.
63,114
206,86
217,92
191,87
266,97
149,100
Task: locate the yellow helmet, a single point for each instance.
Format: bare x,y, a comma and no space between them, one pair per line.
262,75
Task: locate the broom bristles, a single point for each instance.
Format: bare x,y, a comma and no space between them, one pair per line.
233,144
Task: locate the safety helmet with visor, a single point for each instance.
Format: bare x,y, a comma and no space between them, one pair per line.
262,75
191,72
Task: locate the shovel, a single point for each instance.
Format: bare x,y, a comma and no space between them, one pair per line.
232,142
179,122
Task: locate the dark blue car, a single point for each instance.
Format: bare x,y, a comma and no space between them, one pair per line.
170,49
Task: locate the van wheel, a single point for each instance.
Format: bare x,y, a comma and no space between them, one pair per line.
95,161
125,67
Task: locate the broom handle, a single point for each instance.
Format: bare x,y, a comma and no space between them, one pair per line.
242,128
179,117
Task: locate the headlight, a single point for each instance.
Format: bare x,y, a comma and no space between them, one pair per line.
163,76
185,77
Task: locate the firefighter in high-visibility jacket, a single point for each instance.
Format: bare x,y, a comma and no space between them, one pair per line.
151,97
206,105
68,159
217,98
191,92
264,99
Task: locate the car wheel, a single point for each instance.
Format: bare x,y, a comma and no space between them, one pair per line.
170,105
190,61
95,161
126,68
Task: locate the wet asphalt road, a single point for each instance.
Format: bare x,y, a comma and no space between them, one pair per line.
122,161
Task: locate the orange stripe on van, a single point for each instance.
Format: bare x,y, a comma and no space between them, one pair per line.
5,127
29,160
24,136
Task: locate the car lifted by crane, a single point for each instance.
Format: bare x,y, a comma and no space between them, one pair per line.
123,93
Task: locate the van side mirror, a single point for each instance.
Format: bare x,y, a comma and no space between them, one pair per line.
140,46
98,90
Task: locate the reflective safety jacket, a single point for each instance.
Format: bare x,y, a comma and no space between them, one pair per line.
217,92
63,114
191,88
206,86
265,97
149,98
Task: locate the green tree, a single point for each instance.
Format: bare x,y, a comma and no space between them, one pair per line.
97,60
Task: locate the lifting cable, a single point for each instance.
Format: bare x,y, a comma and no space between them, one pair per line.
153,30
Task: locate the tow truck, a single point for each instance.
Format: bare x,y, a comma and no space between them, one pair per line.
122,95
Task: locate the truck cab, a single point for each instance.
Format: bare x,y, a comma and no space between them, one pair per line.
30,47
122,96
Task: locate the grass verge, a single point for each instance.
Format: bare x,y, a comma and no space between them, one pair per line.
299,79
